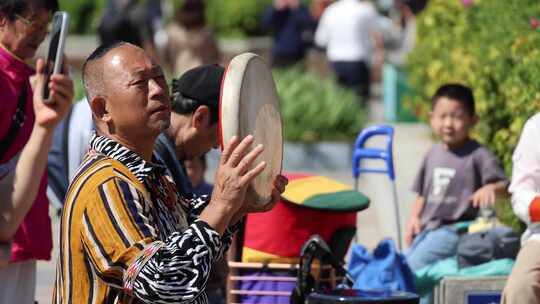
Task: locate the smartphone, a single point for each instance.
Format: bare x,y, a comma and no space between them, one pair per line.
58,34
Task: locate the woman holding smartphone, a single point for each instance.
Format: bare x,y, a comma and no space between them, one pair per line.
26,130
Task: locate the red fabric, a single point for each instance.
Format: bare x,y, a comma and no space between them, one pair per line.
534,209
283,230
14,76
292,176
33,240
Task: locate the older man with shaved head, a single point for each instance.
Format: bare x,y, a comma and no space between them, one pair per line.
127,236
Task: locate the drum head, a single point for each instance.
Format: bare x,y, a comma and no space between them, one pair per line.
249,104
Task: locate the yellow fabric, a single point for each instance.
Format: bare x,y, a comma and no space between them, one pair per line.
99,229
251,255
299,190
255,256
482,224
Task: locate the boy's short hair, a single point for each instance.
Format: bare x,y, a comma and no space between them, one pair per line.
457,92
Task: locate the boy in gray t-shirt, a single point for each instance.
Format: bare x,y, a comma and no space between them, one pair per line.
458,175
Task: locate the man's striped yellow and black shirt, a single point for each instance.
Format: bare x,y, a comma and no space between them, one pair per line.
127,236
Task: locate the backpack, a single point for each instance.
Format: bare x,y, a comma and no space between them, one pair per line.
484,246
385,269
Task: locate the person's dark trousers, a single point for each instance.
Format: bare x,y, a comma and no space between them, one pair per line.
354,75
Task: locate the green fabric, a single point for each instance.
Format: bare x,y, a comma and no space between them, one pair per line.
428,277
349,200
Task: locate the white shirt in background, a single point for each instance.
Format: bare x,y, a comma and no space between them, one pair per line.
81,128
345,30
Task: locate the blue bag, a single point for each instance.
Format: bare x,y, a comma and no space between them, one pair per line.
386,269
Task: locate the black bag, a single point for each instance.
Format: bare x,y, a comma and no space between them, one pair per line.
484,246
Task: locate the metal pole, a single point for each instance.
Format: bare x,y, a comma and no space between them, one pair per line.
397,214
356,233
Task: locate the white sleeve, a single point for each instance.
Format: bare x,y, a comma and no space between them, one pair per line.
80,131
526,172
322,33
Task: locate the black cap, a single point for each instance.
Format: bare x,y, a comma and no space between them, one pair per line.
196,87
202,83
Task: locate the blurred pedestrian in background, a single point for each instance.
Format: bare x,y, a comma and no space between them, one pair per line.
190,42
398,30
292,28
346,32
133,21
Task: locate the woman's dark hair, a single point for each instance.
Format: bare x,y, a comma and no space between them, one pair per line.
457,92
191,14
11,8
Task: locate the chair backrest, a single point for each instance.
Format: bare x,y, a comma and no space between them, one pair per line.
361,152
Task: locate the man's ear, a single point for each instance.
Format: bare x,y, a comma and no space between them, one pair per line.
201,117
98,104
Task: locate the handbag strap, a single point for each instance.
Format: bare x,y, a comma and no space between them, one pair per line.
19,117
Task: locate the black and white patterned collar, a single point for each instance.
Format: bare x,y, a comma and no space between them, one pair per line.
136,164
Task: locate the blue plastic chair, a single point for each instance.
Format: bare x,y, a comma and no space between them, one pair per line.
361,152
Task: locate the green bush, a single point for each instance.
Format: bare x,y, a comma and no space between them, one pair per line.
490,46
84,14
236,18
78,87
315,109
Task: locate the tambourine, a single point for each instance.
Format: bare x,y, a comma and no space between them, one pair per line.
249,104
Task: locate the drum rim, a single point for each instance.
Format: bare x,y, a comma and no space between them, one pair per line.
245,59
